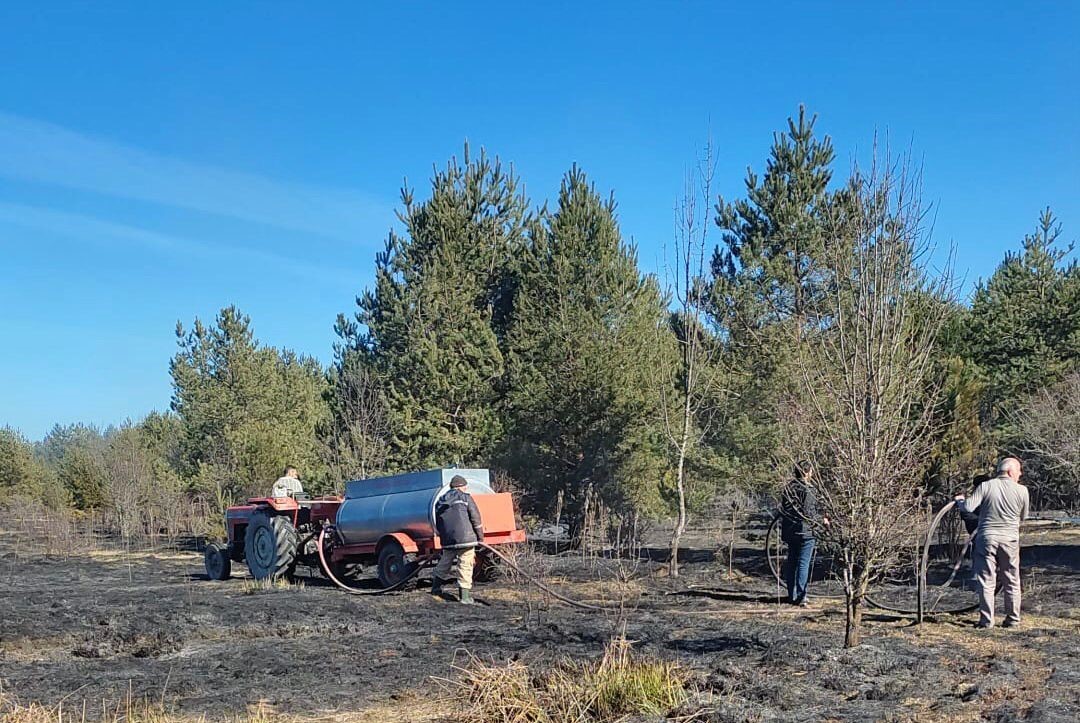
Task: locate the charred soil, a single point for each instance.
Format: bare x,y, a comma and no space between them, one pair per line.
103,625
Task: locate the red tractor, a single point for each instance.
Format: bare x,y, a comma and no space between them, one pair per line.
388,522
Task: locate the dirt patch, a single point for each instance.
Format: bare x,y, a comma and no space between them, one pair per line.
109,625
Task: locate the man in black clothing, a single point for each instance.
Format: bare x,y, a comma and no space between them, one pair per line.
457,519
971,524
971,517
798,512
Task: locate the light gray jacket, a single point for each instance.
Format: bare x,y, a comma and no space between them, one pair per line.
286,487
1002,505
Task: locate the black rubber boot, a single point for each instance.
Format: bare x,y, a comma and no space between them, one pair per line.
466,597
436,586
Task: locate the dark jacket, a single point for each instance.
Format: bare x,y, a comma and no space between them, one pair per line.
457,519
798,508
971,520
971,517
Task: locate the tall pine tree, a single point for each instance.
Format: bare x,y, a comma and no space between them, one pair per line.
583,394
432,325
768,282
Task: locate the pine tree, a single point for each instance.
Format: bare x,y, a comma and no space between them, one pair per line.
245,410
433,323
583,395
963,446
773,240
75,453
23,476
82,472
768,281
1024,325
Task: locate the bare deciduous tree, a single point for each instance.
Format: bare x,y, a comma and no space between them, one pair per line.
1049,429
358,439
129,482
866,410
685,383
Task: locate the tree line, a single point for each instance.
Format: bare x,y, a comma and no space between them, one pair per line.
525,338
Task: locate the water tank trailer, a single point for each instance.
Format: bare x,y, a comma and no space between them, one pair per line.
387,522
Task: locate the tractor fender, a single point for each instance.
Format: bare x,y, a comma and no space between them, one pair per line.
278,504
407,543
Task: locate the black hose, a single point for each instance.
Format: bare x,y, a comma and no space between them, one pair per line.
925,565
542,586
325,566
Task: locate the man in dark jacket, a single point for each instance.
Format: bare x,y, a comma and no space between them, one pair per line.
971,524
971,517
457,519
798,512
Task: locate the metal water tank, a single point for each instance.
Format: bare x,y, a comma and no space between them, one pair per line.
400,503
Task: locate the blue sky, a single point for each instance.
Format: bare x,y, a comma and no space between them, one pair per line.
159,161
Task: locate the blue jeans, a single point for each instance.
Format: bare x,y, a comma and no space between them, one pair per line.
797,569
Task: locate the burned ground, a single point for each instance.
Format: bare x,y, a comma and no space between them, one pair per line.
107,624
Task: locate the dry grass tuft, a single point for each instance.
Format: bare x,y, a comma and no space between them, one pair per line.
625,684
251,586
128,710
621,684
148,710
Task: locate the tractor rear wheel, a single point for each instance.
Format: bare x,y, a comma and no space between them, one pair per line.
217,562
394,564
270,546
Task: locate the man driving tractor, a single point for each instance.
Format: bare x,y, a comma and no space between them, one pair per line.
288,484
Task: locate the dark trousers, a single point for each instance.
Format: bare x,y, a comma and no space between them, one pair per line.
797,568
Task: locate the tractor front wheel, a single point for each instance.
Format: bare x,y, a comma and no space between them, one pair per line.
394,564
217,562
270,546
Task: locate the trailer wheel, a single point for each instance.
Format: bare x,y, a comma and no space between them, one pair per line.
217,562
270,546
394,563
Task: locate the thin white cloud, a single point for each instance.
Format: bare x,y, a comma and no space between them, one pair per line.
87,229
40,152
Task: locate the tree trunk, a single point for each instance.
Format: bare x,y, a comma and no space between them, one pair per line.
680,487
731,545
854,619
680,523
854,598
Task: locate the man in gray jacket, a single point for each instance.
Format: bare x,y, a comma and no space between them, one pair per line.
1003,504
